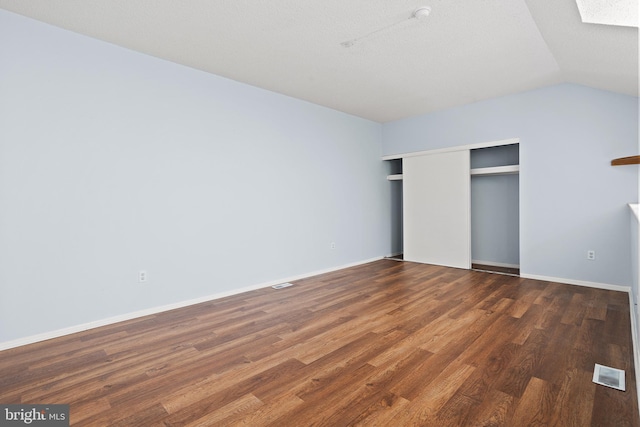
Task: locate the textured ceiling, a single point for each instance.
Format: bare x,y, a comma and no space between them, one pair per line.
465,51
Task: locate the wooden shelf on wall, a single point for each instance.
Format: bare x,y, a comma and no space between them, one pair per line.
631,160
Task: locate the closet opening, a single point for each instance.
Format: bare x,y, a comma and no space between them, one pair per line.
394,175
495,216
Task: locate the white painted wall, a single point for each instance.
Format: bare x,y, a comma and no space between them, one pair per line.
112,162
571,199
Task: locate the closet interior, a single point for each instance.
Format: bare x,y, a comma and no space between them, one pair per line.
495,213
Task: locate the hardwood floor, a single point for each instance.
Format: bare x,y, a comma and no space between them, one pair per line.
383,344
494,268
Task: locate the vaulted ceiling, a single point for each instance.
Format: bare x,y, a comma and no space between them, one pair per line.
369,58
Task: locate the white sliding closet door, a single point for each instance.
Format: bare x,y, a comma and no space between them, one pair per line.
436,209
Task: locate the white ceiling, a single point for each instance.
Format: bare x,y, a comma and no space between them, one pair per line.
465,51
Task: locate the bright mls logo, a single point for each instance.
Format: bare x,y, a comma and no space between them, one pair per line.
34,415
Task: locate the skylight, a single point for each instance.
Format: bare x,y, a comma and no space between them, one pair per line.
623,13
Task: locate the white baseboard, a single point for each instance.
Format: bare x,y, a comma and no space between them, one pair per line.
495,264
155,310
604,286
634,339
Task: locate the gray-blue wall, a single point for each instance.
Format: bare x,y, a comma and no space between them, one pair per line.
495,219
113,162
571,199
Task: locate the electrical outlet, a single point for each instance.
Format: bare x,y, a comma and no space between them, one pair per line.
142,276
591,255
333,245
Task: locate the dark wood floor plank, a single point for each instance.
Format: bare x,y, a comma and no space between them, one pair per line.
224,416
537,404
496,409
488,371
456,411
590,336
596,305
319,404
262,415
88,409
385,406
557,359
517,377
613,408
384,343
444,330
528,322
386,412
424,408
617,325
576,310
574,404
498,332
197,389
196,402
323,372
425,373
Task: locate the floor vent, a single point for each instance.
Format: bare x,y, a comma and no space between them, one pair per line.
282,285
610,377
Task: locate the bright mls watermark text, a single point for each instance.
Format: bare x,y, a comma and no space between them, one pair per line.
34,415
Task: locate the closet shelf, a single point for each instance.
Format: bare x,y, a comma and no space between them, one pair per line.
631,160
396,177
498,170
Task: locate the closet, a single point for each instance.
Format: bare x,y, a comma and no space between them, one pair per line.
394,175
459,206
495,218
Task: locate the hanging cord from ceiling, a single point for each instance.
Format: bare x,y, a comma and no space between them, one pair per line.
420,13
